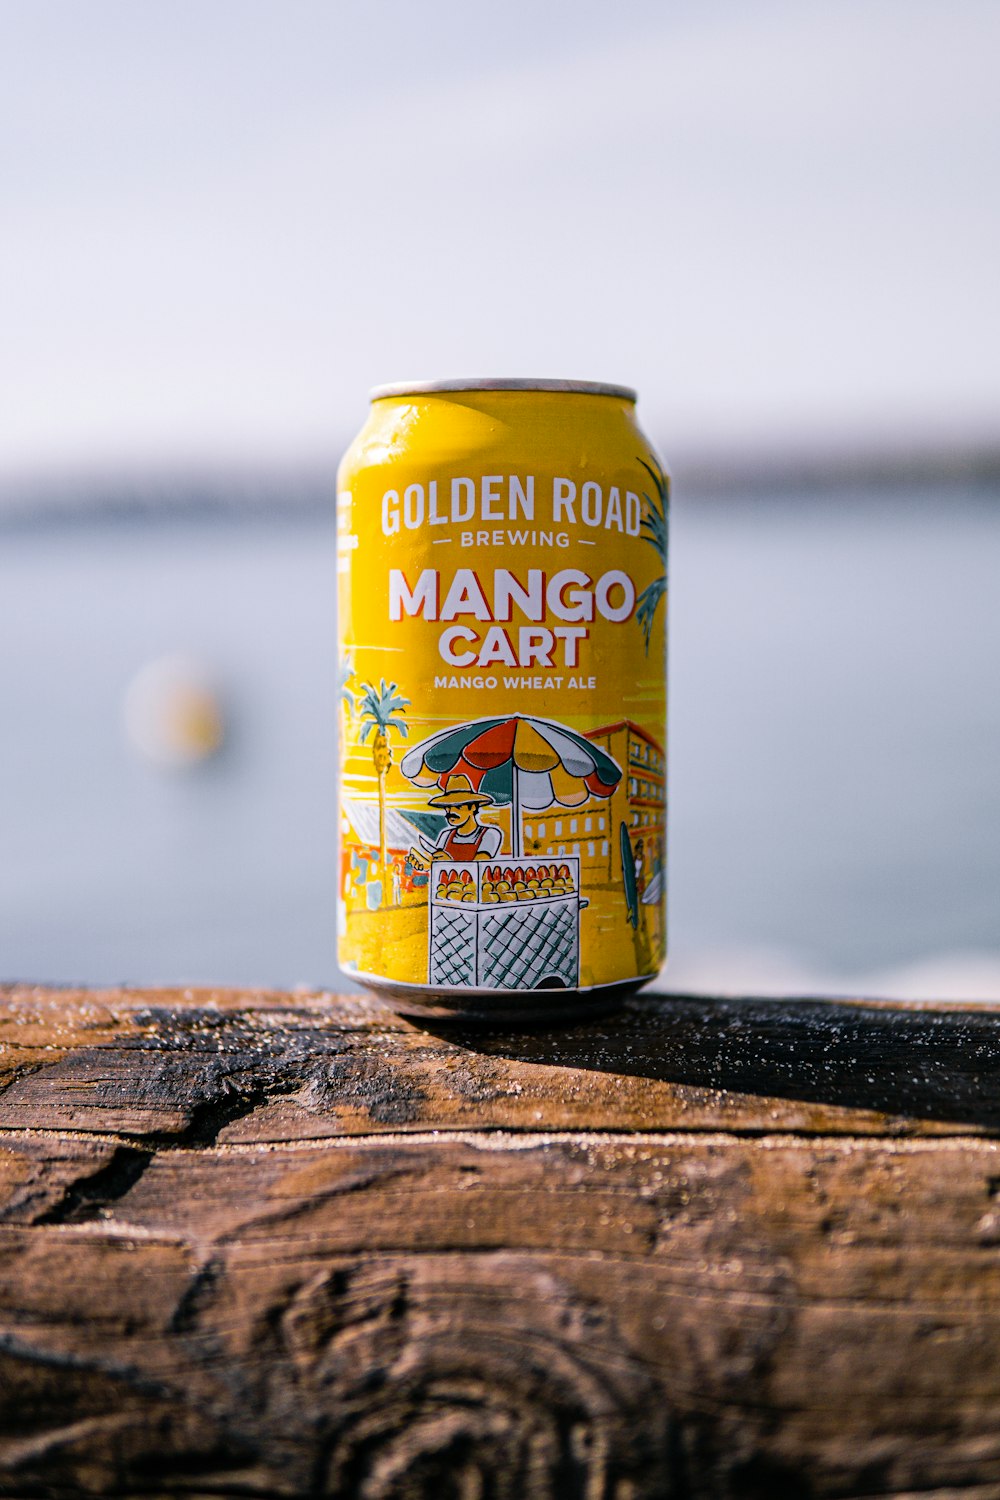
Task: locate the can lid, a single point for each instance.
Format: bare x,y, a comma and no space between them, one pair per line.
571,387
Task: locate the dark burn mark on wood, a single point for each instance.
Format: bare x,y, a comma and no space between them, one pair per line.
225,1074
14,1071
229,1095
188,1097
358,1080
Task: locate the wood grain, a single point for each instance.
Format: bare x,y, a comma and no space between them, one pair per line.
282,1244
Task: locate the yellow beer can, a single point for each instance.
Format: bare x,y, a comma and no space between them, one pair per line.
502,593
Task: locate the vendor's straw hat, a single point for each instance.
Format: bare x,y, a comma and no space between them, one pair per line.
459,789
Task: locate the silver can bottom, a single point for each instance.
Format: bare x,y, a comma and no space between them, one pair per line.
491,1009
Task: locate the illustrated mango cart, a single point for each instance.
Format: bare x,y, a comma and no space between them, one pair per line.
508,923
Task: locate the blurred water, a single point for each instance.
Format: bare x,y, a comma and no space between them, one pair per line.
835,742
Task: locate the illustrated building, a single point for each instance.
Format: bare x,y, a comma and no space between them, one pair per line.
591,831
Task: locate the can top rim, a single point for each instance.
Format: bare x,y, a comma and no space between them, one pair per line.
567,387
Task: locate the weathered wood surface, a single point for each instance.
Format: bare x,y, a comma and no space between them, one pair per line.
291,1245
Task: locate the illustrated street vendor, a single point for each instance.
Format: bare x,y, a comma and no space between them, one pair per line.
465,838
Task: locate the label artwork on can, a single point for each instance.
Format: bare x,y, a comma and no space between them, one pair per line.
502,701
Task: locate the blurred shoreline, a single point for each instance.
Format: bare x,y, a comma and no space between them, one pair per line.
290,491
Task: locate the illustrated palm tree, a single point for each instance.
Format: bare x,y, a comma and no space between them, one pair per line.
654,525
381,710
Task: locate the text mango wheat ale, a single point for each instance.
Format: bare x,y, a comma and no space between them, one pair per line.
502,570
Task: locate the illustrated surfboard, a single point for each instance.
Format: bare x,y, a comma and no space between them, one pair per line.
628,874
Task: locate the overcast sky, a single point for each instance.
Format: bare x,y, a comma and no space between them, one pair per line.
223,220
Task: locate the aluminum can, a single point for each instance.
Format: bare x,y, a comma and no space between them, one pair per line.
502,593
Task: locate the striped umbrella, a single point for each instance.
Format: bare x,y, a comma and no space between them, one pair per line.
526,763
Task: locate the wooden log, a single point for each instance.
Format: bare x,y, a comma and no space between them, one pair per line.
285,1244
